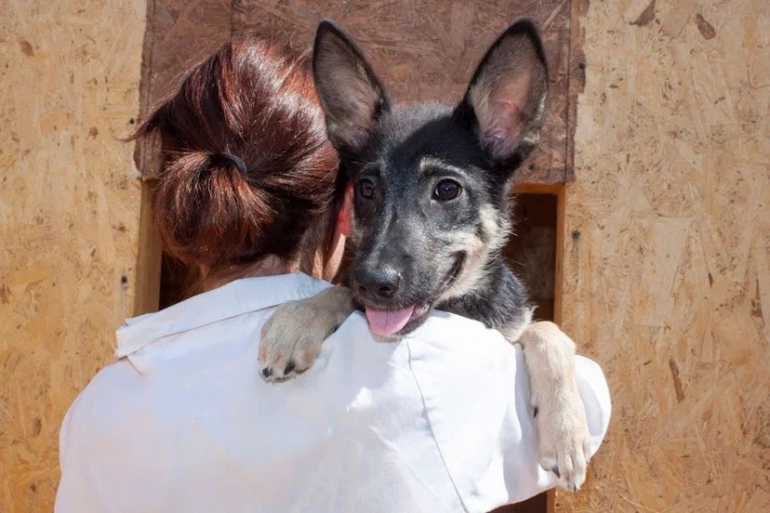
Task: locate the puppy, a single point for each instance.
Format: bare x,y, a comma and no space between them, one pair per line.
431,214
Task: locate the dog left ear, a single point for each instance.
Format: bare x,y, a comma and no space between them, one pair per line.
350,93
505,102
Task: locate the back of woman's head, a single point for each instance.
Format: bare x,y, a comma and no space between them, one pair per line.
247,167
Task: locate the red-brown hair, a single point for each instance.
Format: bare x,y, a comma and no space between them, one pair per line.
247,168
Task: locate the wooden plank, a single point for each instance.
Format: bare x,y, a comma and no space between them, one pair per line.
147,162
148,276
68,220
665,286
577,79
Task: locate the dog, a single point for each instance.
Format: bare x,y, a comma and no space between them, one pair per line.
431,215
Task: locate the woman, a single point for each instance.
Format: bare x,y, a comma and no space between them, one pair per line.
249,197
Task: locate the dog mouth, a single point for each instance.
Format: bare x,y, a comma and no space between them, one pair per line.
388,322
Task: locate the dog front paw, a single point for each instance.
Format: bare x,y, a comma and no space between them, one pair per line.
293,335
565,442
291,341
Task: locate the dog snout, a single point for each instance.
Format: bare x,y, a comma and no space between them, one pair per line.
380,283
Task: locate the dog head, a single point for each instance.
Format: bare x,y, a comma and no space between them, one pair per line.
431,182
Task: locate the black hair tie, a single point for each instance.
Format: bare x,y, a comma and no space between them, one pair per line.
240,164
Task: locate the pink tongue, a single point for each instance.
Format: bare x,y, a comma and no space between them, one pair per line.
388,322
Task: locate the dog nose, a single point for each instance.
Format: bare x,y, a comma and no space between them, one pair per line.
382,283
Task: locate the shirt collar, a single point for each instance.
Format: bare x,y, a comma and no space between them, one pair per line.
231,300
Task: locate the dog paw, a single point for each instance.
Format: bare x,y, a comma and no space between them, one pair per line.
292,337
565,442
291,341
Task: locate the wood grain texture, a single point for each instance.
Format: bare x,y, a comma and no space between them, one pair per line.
667,276
69,219
427,50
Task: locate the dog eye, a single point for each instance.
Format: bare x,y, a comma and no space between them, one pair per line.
366,188
447,190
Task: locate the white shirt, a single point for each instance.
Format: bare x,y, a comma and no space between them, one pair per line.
182,422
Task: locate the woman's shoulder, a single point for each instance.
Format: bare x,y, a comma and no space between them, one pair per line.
102,406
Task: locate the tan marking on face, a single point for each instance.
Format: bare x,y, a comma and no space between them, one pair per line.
434,162
477,253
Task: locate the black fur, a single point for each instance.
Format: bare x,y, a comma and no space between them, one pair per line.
503,300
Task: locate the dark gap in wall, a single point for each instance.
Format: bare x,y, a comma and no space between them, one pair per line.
531,252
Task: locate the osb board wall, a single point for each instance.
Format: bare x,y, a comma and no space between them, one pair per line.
69,82
421,49
667,257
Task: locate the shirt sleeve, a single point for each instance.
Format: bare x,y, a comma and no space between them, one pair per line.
476,392
91,458
74,493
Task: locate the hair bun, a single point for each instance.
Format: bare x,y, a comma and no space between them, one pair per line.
247,169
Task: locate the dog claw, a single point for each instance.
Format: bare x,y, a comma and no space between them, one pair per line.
267,372
555,470
289,367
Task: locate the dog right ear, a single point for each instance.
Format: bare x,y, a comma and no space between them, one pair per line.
350,93
505,101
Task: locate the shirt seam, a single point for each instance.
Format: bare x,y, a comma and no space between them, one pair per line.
432,432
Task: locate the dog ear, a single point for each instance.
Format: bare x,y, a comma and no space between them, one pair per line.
505,101
350,93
